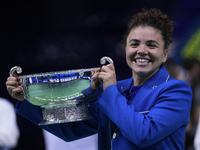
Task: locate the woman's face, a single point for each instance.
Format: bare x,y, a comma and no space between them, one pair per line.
145,51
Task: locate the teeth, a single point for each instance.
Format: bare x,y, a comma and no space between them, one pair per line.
142,60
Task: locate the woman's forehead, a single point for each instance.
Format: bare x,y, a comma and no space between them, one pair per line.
144,33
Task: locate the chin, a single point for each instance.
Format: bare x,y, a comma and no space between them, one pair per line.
142,72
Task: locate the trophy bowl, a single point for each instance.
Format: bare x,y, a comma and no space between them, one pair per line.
62,95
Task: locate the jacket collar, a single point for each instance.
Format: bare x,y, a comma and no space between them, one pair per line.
161,76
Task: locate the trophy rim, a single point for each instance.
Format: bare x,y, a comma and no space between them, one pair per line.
58,72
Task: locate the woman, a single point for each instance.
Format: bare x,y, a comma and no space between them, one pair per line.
148,111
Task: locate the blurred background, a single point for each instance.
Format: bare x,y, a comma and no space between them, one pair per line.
42,36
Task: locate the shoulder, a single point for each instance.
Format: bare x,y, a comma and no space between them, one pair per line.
178,83
178,87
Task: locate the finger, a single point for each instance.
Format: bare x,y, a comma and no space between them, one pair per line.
105,69
95,70
100,80
101,77
12,83
95,76
11,79
111,67
17,90
11,88
18,95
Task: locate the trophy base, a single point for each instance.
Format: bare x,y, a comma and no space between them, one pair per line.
65,113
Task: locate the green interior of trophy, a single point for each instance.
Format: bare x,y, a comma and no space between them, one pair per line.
44,93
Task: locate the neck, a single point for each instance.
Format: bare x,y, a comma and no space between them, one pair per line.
138,81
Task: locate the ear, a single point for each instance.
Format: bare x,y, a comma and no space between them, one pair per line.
165,55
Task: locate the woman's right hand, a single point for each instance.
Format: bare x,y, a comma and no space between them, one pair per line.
14,88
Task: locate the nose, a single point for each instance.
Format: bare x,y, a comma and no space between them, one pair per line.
142,50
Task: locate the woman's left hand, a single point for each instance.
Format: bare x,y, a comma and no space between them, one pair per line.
107,76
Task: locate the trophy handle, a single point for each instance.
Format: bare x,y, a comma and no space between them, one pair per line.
17,69
104,59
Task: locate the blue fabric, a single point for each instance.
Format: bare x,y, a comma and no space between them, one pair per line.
155,119
133,91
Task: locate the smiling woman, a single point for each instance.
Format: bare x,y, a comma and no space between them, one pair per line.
148,111
145,52
146,43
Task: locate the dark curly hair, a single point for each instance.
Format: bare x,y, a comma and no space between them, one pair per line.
154,18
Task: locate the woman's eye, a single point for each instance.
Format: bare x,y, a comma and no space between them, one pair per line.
134,44
152,46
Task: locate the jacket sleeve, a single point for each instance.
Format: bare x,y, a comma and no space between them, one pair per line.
66,131
170,109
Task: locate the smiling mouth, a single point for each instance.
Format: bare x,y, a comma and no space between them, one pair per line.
142,60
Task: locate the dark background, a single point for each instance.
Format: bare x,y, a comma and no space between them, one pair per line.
42,36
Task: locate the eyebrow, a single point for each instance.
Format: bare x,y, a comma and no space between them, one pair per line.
152,41
149,41
133,40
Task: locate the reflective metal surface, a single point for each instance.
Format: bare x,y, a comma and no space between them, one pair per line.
62,95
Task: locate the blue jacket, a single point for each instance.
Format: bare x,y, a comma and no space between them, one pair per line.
156,119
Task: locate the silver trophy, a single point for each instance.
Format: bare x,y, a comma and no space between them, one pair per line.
62,95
